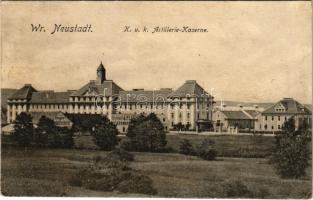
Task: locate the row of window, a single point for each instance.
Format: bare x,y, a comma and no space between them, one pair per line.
157,106
273,117
265,127
49,106
91,99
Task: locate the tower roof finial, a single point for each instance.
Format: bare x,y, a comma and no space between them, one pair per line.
101,67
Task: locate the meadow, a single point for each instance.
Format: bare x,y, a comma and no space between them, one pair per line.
45,172
249,146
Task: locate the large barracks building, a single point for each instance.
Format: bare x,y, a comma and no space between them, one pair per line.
189,105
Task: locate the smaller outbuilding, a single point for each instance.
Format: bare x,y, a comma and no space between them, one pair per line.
233,121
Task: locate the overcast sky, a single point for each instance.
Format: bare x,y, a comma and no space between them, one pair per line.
253,51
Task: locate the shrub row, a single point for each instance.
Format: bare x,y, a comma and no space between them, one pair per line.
205,150
112,172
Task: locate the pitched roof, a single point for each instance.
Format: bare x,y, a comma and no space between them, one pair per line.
50,97
24,93
5,94
244,104
190,87
235,115
252,113
145,95
92,88
290,105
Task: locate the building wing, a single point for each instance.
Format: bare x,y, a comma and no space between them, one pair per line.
189,88
287,106
24,93
107,88
50,97
235,115
145,95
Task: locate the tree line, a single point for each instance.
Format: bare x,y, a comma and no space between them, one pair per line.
290,157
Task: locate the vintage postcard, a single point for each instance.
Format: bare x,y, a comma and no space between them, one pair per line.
184,99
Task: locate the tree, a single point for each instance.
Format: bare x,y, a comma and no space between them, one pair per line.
67,140
206,150
47,134
186,147
23,130
291,153
133,123
44,132
105,134
147,133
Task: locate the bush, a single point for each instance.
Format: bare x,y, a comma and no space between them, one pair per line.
236,189
126,145
108,181
121,154
291,153
111,162
165,150
137,184
146,133
23,130
186,147
105,135
206,150
112,172
84,176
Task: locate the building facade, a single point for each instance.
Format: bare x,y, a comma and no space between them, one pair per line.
273,118
234,121
189,104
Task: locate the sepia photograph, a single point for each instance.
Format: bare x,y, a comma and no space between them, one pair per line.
176,99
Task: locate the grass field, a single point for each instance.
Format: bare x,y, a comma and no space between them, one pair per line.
226,145
45,172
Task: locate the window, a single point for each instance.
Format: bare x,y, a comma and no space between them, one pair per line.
172,115
265,126
260,126
272,118
188,106
123,129
180,106
285,118
278,126
278,118
188,115
272,127
163,119
218,122
265,118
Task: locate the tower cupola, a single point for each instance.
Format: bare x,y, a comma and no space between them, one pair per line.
101,74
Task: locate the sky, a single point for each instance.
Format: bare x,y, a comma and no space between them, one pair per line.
252,51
